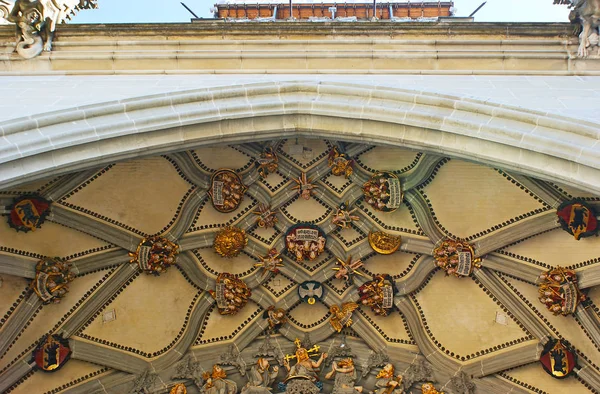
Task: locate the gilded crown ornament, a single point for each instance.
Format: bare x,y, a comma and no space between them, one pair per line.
231,293
340,163
230,241
226,190
155,254
384,243
559,291
456,258
52,278
383,191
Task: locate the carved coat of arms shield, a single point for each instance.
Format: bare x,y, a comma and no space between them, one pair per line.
558,359
28,213
578,219
52,353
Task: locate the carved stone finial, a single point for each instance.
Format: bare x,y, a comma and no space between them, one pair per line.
189,369
143,383
268,350
233,357
376,359
52,278
420,371
462,384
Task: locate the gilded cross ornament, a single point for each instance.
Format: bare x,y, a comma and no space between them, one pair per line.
304,186
266,217
271,262
344,216
559,291
345,269
268,162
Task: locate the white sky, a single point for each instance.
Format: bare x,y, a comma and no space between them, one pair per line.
140,11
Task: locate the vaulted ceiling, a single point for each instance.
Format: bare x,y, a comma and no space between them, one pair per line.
122,322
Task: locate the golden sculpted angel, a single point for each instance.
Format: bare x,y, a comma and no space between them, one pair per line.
342,317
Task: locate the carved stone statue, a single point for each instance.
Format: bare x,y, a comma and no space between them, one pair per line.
36,22
302,377
586,12
216,382
260,378
387,383
344,373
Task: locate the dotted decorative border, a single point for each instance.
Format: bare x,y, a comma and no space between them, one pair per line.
520,383
178,169
274,189
209,170
211,310
297,162
195,228
397,276
570,196
90,251
333,288
140,352
361,236
212,271
285,289
311,325
365,208
87,182
269,241
321,218
330,185
20,381
77,381
25,293
397,172
100,217
30,348
384,335
437,167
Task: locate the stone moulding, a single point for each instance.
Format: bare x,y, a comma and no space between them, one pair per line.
539,144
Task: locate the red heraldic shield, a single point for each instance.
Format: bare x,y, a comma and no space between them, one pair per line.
558,359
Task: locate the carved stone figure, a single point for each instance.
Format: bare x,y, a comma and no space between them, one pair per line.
52,278
344,373
387,383
36,22
304,186
586,12
216,382
559,291
342,316
344,217
260,378
268,162
428,388
231,293
302,377
275,317
345,269
340,163
271,262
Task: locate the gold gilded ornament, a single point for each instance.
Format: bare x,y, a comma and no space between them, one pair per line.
342,317
456,258
230,241
345,269
226,190
428,388
344,216
52,278
559,291
384,243
340,164
268,162
266,217
383,191
154,255
178,389
231,293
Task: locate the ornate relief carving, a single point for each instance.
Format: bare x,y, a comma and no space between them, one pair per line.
260,378
340,351
189,369
268,350
51,353
456,258
387,382
345,269
578,219
304,186
36,22
143,383
233,357
266,217
344,374
376,359
420,371
230,241
305,241
268,162
226,190
342,316
231,294
271,262
275,317
155,254
52,278
310,291
178,389
559,291
28,213
216,382
558,358
429,388
586,12
302,377
383,191
384,243
344,217
378,294
340,163
462,384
